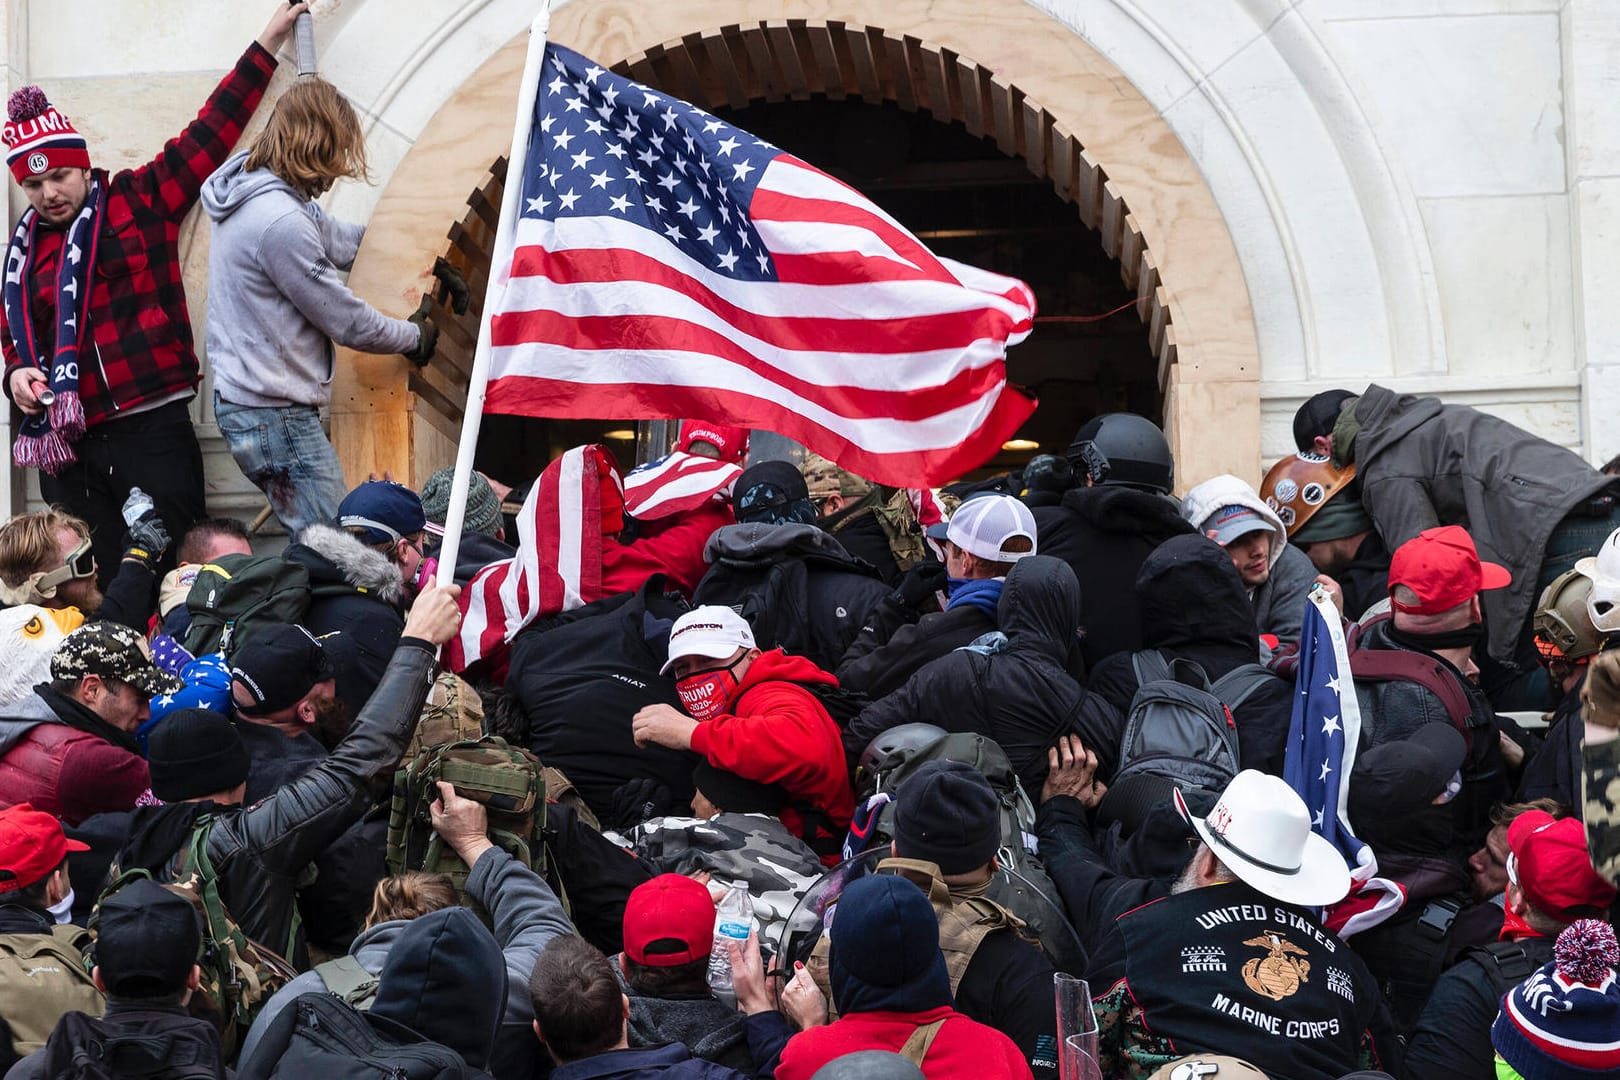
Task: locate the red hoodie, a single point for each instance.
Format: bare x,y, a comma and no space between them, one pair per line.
963,1049
778,733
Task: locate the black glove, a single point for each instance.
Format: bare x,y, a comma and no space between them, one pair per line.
454,284
635,801
429,340
919,584
147,540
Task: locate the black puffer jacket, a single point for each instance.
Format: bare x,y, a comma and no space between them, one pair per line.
579,680
1104,533
1022,697
1191,605
796,585
358,597
260,851
883,658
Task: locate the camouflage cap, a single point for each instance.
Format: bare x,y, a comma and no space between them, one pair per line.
824,478
112,651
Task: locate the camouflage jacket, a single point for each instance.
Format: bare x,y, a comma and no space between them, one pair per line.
778,867
1600,798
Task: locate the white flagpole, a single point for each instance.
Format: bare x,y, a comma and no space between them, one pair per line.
499,268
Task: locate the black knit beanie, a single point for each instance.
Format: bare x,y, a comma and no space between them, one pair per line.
195,752
947,813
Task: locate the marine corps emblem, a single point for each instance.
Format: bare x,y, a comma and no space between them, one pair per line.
1277,974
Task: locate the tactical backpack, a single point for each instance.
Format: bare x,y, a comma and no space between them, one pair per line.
900,527
43,976
150,1046
319,1035
236,596
508,780
1030,895
1179,733
238,974
453,712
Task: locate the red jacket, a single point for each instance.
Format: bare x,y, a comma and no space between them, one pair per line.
963,1050
70,773
778,733
142,349
673,546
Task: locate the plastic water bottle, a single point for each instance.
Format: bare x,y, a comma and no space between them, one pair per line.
733,921
137,506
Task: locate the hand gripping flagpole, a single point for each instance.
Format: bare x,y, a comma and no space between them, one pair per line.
500,266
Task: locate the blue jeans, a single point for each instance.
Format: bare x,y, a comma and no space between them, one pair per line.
284,452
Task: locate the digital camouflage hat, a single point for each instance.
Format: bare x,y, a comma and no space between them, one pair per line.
112,651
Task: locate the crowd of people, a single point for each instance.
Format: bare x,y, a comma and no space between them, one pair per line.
812,777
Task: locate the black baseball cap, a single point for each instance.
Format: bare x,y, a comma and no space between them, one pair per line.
277,667
1317,416
147,940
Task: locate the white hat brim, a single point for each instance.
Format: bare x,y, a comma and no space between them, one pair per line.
1322,877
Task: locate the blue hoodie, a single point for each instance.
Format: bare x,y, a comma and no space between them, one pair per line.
445,979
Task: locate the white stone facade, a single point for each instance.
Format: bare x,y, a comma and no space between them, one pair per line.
1425,193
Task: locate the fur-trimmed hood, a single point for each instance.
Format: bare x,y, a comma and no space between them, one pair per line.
333,557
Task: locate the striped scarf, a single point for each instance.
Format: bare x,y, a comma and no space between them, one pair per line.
46,441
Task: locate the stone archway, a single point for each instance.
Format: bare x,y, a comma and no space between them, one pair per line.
1126,173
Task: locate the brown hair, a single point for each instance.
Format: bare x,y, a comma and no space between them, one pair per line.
28,543
313,139
409,896
577,1001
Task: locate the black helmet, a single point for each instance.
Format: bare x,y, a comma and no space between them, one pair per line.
1125,449
1048,472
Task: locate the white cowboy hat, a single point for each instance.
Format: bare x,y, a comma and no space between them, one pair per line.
1261,830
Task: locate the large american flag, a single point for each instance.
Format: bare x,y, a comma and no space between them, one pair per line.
1322,737
558,565
666,263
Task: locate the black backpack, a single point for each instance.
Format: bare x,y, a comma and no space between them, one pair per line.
1179,733
321,1036
135,1046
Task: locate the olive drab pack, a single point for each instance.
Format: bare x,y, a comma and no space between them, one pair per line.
508,780
453,712
43,977
1026,890
238,974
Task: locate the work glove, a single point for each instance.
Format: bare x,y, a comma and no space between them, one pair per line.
147,540
428,342
919,585
454,285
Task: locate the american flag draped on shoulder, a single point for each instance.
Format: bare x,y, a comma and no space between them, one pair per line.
675,484
666,263
558,565
1322,738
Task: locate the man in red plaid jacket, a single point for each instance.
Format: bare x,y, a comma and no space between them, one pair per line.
135,366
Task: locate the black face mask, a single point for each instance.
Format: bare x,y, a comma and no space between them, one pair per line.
1465,638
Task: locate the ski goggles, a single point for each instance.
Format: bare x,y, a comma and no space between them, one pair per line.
80,563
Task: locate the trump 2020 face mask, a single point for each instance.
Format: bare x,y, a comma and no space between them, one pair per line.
704,694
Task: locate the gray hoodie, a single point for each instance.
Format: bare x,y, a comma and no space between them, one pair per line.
275,304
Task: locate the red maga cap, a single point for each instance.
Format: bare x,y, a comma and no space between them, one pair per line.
732,442
31,846
1443,567
668,921
1555,867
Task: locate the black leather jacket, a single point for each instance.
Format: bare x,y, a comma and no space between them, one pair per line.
259,852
